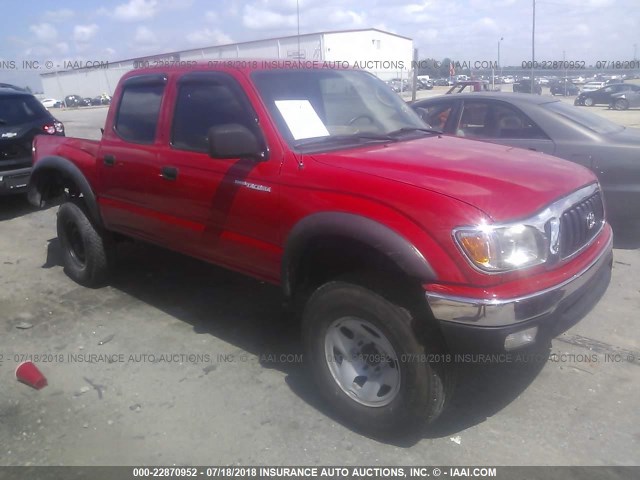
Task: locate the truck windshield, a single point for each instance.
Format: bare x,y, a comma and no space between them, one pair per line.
323,108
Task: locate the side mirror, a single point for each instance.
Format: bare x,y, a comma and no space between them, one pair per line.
234,141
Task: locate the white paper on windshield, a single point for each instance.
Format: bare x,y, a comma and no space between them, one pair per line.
302,119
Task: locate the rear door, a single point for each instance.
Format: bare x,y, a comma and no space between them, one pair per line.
127,160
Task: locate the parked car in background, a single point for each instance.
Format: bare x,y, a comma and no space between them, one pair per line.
22,117
398,85
565,88
592,86
553,127
602,96
73,101
443,82
52,103
524,86
625,100
424,84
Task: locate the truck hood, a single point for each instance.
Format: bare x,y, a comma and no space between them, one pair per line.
504,182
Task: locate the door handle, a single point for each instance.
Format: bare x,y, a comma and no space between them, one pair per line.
170,173
109,160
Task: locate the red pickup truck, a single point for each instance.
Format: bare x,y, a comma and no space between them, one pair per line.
399,246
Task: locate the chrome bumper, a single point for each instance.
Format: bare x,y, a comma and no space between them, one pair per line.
506,312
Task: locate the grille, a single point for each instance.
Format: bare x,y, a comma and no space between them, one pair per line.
580,223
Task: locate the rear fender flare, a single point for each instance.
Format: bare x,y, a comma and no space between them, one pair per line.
42,175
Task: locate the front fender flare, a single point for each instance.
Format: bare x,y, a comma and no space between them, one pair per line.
370,232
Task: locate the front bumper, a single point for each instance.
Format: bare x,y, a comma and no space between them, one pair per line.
482,325
14,181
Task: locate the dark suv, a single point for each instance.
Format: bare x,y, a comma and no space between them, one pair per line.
22,117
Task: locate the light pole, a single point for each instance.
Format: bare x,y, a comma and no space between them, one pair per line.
499,41
533,46
493,72
564,80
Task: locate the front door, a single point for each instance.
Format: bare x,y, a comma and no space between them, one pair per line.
229,205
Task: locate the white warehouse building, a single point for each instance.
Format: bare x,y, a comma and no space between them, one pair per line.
385,54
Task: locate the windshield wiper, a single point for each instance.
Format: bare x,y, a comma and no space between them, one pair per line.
346,139
415,129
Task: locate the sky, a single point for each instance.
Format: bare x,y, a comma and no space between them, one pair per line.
465,30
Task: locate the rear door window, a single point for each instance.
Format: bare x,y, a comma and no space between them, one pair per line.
137,118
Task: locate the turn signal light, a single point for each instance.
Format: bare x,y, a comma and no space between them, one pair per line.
477,247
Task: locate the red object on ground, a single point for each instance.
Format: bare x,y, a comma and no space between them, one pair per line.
29,374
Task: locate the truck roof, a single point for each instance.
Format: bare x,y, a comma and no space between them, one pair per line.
246,65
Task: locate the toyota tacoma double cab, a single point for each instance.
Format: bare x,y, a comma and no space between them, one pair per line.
397,245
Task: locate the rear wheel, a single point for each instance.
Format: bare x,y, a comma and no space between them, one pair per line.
621,104
86,252
368,362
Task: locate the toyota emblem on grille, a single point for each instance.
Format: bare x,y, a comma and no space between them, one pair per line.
591,220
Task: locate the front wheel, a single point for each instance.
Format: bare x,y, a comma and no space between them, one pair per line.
86,252
588,102
369,364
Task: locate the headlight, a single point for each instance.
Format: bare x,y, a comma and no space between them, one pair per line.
502,248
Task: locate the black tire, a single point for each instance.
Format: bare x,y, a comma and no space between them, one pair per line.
425,384
86,252
621,104
588,102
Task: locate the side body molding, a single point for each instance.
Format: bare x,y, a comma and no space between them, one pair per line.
56,168
376,235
